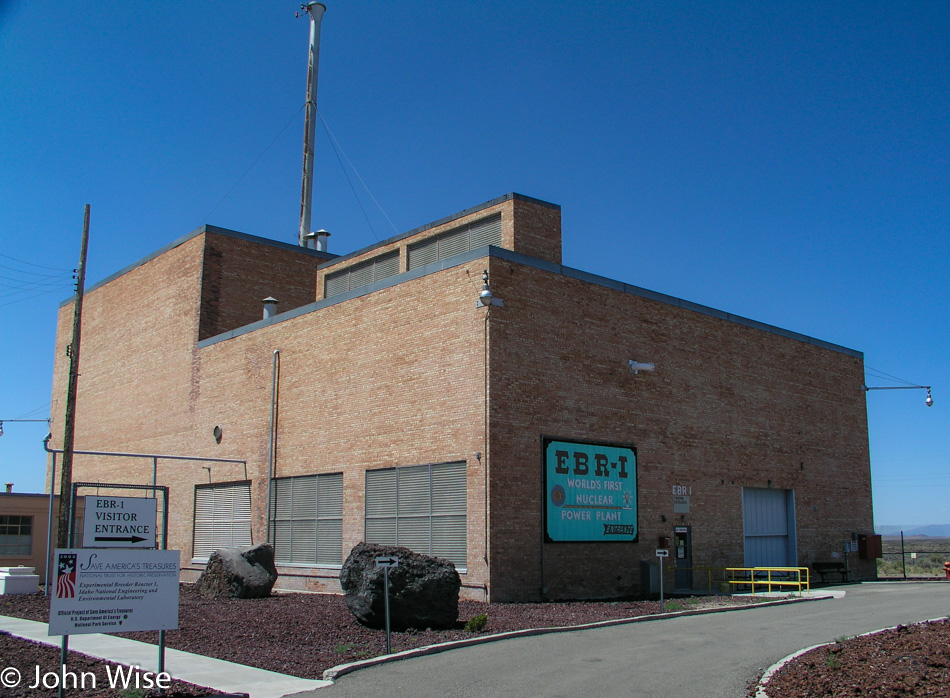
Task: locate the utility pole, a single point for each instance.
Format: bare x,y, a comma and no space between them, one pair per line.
72,351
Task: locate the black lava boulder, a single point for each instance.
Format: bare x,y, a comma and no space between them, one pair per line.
240,573
423,590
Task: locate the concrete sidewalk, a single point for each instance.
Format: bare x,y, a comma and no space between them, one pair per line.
226,677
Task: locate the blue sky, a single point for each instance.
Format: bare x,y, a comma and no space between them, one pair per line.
788,162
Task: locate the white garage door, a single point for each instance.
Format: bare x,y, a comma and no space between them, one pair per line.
768,517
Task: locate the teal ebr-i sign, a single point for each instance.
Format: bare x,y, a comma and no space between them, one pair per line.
590,492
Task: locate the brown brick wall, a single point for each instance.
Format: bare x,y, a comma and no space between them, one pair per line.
389,379
238,274
538,230
728,407
138,341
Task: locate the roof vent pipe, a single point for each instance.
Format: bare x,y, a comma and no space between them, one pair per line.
315,10
316,240
270,307
322,240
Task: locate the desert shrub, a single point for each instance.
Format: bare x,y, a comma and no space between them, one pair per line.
476,623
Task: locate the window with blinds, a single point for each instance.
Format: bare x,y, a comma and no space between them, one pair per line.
420,507
486,231
222,517
362,274
307,523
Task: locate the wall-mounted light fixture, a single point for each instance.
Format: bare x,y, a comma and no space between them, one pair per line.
217,434
929,401
637,366
485,298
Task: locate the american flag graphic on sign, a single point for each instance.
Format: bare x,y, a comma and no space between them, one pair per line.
66,576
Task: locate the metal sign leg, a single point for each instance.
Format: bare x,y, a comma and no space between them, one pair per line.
386,581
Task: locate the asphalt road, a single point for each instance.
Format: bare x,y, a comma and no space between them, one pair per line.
707,656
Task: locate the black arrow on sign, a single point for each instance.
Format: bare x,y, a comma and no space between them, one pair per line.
130,539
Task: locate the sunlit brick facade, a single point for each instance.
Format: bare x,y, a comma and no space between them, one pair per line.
382,403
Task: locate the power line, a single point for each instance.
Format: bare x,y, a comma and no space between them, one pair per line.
38,266
35,295
33,273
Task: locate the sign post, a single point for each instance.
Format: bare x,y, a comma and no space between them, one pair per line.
386,563
662,553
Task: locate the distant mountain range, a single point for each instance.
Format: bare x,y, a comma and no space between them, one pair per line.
933,530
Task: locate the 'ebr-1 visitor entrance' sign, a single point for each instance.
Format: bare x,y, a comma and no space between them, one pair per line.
591,492
119,522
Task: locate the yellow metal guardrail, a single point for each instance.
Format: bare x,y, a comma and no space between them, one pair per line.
768,577
736,579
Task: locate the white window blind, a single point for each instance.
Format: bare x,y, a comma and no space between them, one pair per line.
420,507
307,523
222,517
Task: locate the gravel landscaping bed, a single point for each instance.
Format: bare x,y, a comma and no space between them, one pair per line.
25,656
910,660
305,634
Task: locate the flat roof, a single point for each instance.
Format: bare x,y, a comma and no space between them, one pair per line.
195,233
450,262
509,255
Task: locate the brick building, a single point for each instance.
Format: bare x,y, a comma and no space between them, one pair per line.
383,403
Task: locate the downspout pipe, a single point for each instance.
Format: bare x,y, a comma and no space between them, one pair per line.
49,524
271,455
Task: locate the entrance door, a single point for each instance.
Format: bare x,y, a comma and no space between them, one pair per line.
682,558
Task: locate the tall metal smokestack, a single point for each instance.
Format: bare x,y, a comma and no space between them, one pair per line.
315,10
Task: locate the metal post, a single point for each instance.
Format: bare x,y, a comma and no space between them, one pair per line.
386,580
903,558
63,651
661,585
161,633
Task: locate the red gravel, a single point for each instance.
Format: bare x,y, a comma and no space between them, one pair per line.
910,660
25,656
